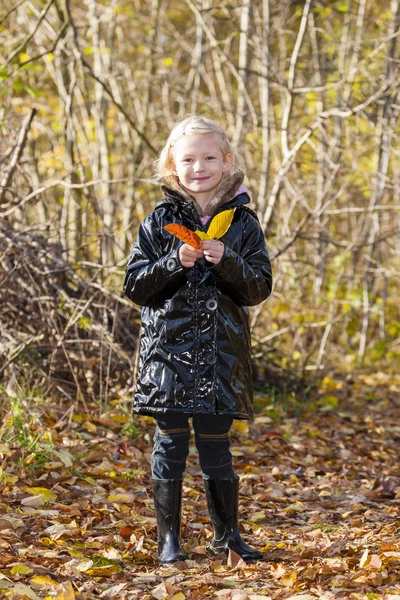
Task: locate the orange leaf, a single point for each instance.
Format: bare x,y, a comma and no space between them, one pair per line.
126,532
184,233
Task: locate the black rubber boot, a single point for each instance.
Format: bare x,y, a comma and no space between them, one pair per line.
168,506
223,502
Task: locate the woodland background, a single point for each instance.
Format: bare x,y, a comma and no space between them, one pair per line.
308,90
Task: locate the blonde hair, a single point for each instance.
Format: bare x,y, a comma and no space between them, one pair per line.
189,125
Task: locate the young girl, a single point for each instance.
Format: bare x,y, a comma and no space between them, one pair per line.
195,343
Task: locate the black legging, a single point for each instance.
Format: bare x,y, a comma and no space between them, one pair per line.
171,445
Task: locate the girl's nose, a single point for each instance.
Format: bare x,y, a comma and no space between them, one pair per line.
199,166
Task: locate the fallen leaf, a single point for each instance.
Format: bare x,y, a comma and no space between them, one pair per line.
120,498
240,426
160,592
225,594
114,590
40,581
126,532
290,579
20,589
65,457
33,500
364,559
375,562
20,569
65,592
47,494
58,530
91,427
278,570
10,522
79,565
105,570
301,597
235,560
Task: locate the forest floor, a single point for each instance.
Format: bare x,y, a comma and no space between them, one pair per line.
320,497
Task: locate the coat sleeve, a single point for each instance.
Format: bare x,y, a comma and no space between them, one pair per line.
148,271
248,275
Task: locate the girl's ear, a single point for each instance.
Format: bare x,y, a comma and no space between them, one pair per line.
228,161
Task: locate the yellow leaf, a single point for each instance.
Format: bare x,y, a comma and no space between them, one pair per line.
241,426
220,224
178,596
20,569
48,495
364,559
120,498
40,581
91,427
11,479
328,384
29,459
289,580
105,571
202,234
331,401
258,516
65,592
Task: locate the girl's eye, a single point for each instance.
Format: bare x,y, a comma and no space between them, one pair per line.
210,157
187,160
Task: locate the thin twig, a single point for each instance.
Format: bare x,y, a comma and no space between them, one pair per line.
24,42
22,138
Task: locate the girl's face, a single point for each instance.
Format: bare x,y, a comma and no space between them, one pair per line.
200,164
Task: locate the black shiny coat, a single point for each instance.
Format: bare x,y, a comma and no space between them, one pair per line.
195,340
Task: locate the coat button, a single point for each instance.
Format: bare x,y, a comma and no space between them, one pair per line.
211,359
211,304
171,264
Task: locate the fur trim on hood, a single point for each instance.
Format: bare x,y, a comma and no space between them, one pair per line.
226,191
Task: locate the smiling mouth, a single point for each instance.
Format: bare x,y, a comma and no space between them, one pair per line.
200,178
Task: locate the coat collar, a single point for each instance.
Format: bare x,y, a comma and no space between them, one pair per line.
227,192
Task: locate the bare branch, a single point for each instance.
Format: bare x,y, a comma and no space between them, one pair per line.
22,139
24,42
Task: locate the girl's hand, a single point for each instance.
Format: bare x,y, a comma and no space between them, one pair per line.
213,250
189,255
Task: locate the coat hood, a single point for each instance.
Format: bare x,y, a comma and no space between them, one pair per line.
227,190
